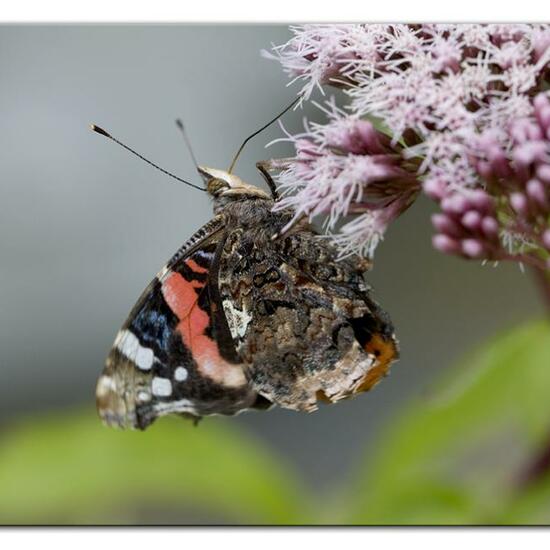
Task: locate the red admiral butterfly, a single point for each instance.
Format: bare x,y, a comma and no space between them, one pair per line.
246,316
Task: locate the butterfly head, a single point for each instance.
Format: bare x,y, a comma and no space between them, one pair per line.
221,184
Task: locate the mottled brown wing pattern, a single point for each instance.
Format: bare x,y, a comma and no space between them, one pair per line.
302,321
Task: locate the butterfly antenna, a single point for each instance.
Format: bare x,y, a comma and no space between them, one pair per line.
180,125
260,130
107,135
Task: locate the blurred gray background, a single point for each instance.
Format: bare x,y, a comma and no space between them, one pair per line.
84,226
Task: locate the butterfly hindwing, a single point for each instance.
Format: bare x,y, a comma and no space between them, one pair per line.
302,321
166,357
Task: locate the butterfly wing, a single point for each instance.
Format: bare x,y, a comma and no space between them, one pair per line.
303,321
174,353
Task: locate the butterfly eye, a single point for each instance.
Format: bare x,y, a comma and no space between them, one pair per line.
216,185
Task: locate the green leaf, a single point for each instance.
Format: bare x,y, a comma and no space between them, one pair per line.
70,469
456,455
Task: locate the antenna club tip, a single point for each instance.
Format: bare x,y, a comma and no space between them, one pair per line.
99,130
179,123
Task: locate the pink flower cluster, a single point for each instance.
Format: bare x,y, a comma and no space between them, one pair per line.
349,167
509,217
458,111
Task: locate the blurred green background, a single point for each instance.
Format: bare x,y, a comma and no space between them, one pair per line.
449,437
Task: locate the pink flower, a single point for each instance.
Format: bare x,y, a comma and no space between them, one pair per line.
349,167
464,119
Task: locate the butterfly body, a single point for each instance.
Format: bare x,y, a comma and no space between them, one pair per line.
246,315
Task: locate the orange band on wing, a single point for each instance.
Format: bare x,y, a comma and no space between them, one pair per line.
182,297
384,352
193,265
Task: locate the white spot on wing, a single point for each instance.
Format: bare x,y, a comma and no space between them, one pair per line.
237,320
128,344
161,387
144,358
181,374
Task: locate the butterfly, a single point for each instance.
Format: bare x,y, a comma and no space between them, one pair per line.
254,310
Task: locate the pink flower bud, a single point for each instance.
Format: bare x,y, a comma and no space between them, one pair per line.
494,151
535,190
471,220
546,239
523,130
375,141
455,204
541,100
543,172
499,163
435,188
543,116
445,224
340,138
445,244
519,203
358,137
529,152
472,248
481,200
369,169
489,226
484,168
534,132
487,139
489,147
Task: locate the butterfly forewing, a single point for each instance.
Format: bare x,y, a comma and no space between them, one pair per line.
165,358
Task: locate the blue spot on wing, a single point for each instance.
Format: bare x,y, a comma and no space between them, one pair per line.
154,324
